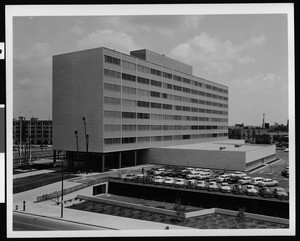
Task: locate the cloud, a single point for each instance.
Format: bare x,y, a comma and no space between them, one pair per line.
76,30
214,55
37,50
116,40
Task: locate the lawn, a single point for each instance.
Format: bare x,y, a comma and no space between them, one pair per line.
210,221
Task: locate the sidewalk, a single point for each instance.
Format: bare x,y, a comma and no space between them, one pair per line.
52,210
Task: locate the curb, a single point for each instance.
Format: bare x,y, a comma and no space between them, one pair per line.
70,221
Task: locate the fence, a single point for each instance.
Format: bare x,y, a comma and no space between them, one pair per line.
57,194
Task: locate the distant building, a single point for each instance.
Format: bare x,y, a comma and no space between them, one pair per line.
41,131
255,135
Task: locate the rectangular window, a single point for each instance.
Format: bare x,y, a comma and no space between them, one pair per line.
112,73
156,83
177,78
167,75
128,127
156,72
128,90
143,80
128,77
176,87
177,97
144,104
167,138
167,86
112,100
187,90
112,87
208,87
112,141
143,127
142,92
128,64
186,108
143,115
185,80
167,117
156,116
128,102
178,107
156,127
177,117
112,127
112,60
177,127
156,105
143,139
167,127
144,69
167,107
129,115
155,94
112,114
128,140
156,138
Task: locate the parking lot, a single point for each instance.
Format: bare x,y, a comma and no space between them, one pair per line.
271,171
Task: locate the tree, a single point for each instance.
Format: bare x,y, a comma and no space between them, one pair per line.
180,209
240,217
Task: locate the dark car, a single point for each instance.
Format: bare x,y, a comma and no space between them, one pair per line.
237,189
265,192
149,179
280,193
285,172
232,180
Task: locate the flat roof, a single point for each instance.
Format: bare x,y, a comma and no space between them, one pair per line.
230,145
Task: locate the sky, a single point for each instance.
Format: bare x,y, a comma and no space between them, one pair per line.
246,52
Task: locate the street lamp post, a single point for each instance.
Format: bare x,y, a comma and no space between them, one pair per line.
86,140
62,189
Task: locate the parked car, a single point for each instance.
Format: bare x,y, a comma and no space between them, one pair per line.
212,186
238,174
207,171
224,187
140,177
256,180
190,169
201,185
223,178
151,171
159,171
265,192
245,180
267,182
238,189
251,190
169,173
280,193
130,177
179,182
192,174
149,179
198,169
285,172
191,183
158,180
203,176
169,181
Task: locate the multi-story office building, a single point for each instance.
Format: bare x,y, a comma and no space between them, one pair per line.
41,131
132,102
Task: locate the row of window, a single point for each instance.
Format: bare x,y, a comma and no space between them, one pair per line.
129,77
117,127
131,140
155,94
167,75
146,104
134,115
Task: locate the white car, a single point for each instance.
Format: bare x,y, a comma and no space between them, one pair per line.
207,171
203,176
238,174
201,185
158,180
267,182
224,187
212,186
222,178
192,174
130,177
159,171
169,181
251,190
179,182
245,180
198,169
256,180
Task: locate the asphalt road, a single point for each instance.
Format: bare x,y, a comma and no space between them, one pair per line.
26,222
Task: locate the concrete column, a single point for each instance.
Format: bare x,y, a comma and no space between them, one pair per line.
120,159
135,158
103,162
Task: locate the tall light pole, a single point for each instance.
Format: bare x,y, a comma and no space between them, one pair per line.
62,190
86,140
